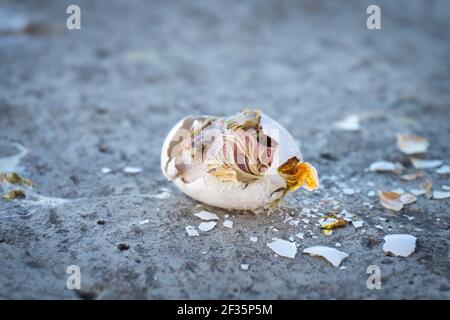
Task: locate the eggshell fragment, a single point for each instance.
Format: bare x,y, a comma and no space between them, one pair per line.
412,176
358,224
407,198
245,266
332,255
425,164
395,200
106,170
350,123
206,226
132,170
445,169
441,195
385,166
228,224
283,248
411,144
418,192
206,215
192,231
402,245
391,200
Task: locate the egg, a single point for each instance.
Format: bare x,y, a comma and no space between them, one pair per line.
243,162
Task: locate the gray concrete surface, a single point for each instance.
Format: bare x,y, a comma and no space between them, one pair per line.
106,96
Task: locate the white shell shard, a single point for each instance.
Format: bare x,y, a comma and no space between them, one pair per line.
206,226
407,198
445,169
283,248
132,170
228,224
206,215
169,142
334,256
106,170
418,192
245,266
441,195
402,245
254,239
411,144
192,231
425,164
300,235
219,182
351,123
161,195
385,166
358,224
412,176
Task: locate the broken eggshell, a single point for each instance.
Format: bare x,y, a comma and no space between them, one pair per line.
332,255
402,245
222,186
411,144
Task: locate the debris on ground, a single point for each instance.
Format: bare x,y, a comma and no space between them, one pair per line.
228,224
192,231
283,248
332,255
350,123
206,215
402,245
331,221
132,170
206,226
385,166
358,224
394,200
412,144
441,195
106,170
425,164
412,176
445,169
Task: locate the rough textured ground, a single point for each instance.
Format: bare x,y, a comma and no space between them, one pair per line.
106,96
